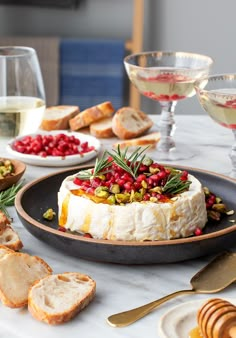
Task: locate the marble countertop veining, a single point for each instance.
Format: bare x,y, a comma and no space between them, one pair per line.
122,287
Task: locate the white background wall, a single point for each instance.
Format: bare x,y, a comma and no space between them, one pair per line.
202,26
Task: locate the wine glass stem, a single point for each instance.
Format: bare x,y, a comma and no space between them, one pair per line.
167,126
233,156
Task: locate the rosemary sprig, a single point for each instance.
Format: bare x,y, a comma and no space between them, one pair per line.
175,185
99,168
121,159
7,197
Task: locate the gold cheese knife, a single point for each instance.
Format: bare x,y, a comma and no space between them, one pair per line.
214,277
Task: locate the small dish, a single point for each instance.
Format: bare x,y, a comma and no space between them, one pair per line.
8,181
57,161
181,319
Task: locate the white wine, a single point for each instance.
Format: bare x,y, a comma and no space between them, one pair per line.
20,115
164,86
220,106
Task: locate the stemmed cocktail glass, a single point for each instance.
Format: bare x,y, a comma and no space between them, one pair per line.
218,99
167,77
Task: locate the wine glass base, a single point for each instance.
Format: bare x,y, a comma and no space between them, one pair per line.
181,152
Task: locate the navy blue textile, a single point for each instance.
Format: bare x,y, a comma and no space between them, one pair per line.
91,72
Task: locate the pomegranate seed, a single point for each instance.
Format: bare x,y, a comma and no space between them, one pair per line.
62,229
198,232
87,235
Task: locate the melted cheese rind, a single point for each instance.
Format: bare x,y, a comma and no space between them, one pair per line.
138,221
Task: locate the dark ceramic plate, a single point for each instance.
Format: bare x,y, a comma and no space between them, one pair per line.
41,194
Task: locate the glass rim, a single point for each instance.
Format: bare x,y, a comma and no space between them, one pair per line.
167,52
23,51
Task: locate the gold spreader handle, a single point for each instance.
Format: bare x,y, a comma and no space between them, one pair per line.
128,317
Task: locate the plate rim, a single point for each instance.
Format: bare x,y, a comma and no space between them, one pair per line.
178,241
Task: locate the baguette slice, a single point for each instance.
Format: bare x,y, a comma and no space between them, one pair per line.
4,221
57,117
58,298
18,271
10,238
90,115
102,128
5,250
128,123
149,139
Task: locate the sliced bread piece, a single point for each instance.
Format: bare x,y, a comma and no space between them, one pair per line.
18,271
149,139
102,128
10,238
4,220
4,250
90,115
58,298
129,123
57,117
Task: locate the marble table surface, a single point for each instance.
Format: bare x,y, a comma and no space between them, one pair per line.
122,287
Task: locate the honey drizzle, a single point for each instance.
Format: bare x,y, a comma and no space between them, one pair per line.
195,333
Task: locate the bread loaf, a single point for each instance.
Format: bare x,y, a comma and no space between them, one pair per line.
149,139
57,117
102,128
56,299
129,123
18,271
90,115
217,319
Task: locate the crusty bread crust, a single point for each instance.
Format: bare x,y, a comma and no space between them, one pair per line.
129,123
18,271
43,306
4,250
4,221
102,128
10,238
149,139
57,117
90,115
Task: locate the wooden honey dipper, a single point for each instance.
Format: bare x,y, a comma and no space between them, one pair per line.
217,319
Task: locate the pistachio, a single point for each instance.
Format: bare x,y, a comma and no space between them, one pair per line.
101,192
122,198
115,188
206,191
137,197
156,189
111,199
49,214
214,215
153,199
220,207
144,184
147,161
154,170
218,200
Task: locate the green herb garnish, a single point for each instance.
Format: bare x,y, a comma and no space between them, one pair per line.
175,185
99,167
130,164
7,197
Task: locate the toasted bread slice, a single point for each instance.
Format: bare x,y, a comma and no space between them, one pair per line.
56,299
10,238
149,139
102,128
57,117
18,271
129,123
90,115
4,221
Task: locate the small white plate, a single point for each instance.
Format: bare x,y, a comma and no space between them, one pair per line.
180,320
57,161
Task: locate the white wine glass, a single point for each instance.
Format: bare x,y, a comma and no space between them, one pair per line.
22,95
167,77
218,99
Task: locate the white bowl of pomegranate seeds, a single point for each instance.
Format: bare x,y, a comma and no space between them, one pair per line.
54,148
